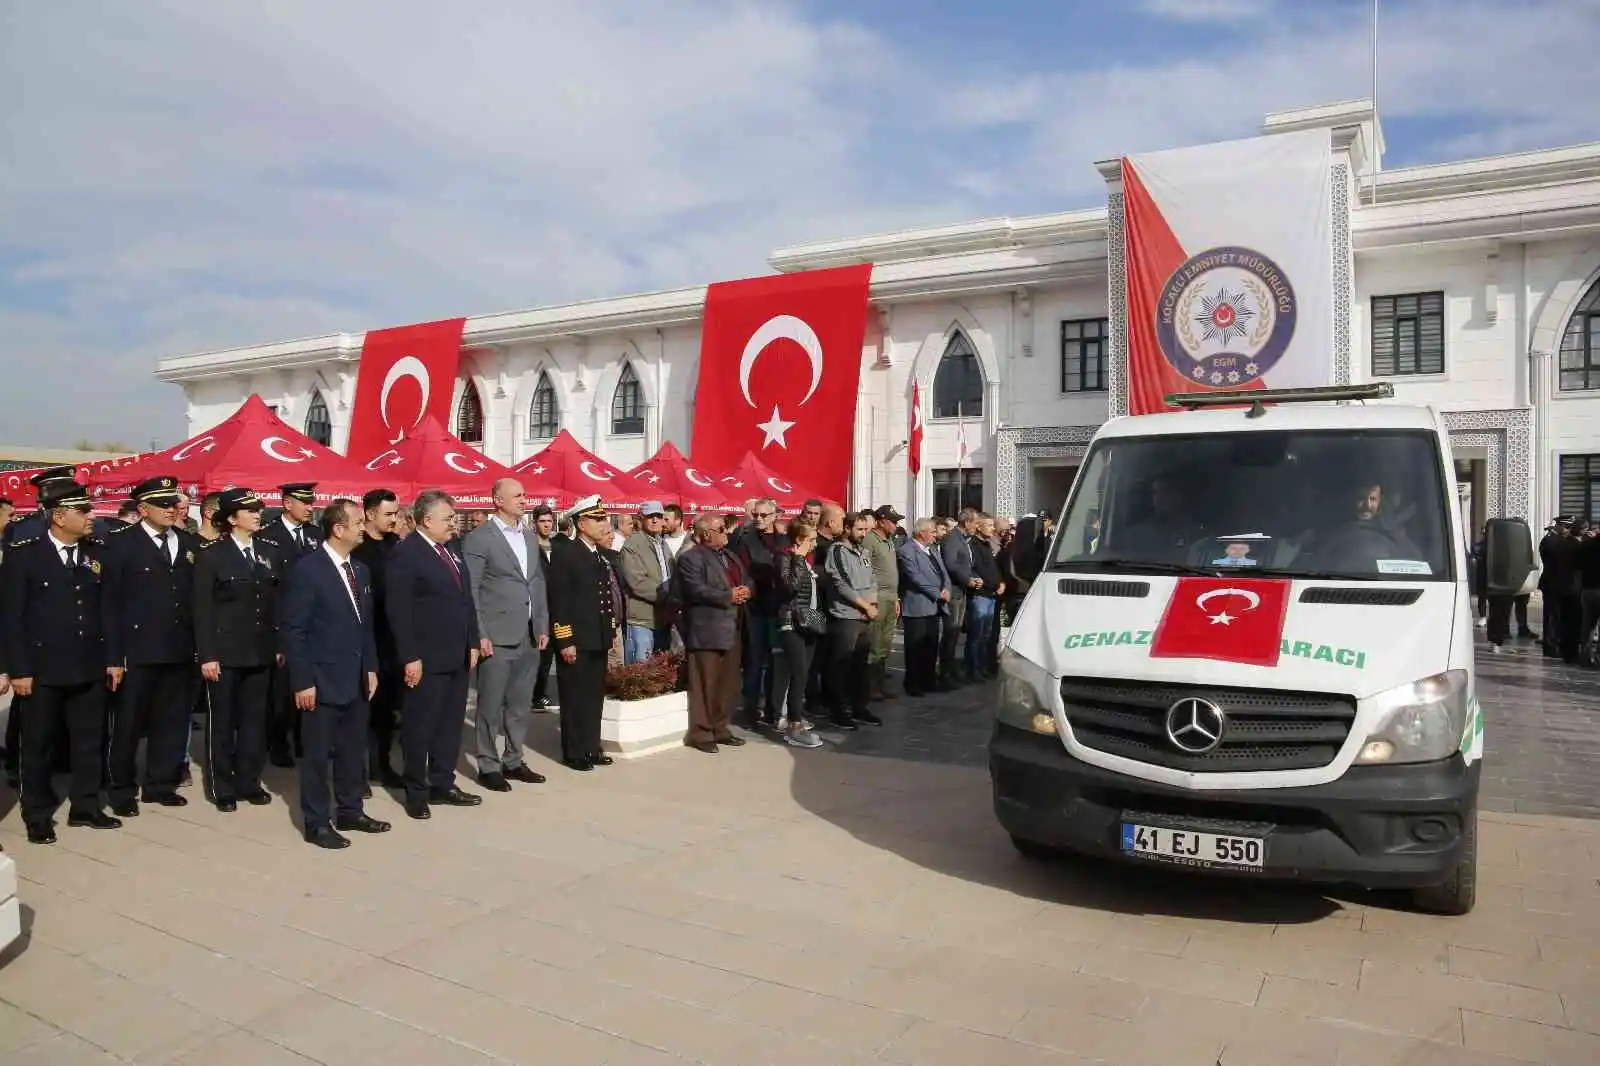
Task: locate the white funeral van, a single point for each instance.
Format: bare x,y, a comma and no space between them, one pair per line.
1251,651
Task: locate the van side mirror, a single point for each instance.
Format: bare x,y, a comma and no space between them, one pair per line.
1509,556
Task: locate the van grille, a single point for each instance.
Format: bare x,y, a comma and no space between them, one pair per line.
1266,729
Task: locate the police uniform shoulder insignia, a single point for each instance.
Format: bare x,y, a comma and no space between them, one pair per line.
124,529
205,544
24,542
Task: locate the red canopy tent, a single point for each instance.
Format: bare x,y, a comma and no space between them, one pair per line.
252,448
669,474
14,484
429,457
752,478
578,472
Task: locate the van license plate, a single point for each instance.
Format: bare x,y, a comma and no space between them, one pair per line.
1187,848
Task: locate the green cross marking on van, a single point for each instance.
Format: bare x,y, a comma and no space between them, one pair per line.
1353,658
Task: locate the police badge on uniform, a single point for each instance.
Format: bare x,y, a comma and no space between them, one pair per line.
94,567
188,557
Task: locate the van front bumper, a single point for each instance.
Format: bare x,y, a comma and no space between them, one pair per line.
1376,826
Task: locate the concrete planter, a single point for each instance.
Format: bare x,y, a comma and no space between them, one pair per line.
630,729
10,908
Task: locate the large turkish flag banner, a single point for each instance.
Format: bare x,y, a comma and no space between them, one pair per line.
1235,620
407,373
780,363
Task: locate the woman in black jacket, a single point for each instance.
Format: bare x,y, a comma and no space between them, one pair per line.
799,620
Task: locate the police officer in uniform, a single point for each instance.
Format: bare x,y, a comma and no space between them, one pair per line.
238,581
148,592
294,536
585,593
55,654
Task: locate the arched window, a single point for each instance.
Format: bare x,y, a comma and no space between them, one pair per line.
627,403
544,417
469,416
1580,345
319,427
958,383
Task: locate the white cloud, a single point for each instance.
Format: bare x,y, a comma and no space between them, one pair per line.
1205,10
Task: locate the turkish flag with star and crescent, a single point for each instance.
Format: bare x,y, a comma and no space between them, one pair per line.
407,373
1233,620
780,363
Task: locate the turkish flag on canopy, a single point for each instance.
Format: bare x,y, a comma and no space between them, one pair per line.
15,485
1235,620
780,362
753,479
668,474
253,448
429,457
407,373
575,472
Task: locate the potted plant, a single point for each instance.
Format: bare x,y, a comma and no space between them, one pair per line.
646,708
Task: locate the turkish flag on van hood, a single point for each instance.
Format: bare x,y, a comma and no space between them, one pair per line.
406,374
780,362
1235,620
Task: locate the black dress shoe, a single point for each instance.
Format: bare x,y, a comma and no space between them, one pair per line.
167,799
453,797
94,820
282,759
364,824
259,798
326,837
227,806
41,834
125,809
844,723
581,765
525,775
600,758
494,782
707,746
868,718
420,811
731,741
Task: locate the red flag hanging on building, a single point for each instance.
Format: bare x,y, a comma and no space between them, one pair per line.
914,449
780,363
1235,620
407,373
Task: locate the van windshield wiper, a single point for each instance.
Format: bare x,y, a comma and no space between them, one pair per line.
1153,566
1315,575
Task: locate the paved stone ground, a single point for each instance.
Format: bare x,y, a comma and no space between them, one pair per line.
771,906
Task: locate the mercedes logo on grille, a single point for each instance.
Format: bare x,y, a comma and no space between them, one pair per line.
1195,726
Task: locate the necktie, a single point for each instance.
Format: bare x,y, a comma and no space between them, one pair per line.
350,579
161,542
249,557
70,552
449,561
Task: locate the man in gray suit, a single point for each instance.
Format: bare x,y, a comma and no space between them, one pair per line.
508,587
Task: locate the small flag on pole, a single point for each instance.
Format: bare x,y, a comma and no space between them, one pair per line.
914,449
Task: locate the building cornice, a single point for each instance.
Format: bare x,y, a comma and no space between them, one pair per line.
990,234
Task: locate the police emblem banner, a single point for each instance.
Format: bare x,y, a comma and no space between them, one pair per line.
1229,267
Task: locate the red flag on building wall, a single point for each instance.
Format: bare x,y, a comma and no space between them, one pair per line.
407,373
1235,620
780,363
914,449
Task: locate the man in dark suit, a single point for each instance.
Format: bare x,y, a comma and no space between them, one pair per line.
712,585
332,663
294,536
148,593
924,602
586,610
429,604
54,652
956,550
238,582
381,511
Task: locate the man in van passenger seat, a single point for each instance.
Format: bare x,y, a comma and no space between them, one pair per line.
1170,529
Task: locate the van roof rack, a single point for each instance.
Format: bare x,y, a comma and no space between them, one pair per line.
1258,398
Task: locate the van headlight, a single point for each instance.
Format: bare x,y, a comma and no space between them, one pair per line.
1419,722
1024,700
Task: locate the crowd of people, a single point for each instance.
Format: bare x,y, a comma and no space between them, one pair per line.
327,641
1569,586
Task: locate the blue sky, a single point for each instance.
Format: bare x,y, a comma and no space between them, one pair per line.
184,175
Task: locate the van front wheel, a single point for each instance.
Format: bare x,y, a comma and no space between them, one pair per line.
1457,895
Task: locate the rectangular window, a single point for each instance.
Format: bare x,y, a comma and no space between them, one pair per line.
1580,485
1083,354
1408,334
955,489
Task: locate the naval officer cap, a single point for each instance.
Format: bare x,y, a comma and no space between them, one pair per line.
303,491
63,492
231,500
158,491
588,507
51,473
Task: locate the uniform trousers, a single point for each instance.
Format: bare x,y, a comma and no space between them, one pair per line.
56,717
715,682
430,731
236,731
850,643
383,720
335,737
154,701
581,688
881,629
284,727
541,681
505,705
14,733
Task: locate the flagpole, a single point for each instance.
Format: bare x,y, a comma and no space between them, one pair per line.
1372,149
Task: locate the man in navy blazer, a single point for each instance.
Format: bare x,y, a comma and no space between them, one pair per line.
924,605
428,600
332,663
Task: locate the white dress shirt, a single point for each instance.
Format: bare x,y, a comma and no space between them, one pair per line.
155,538
515,540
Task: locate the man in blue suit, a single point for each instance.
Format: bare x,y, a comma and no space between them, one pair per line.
924,606
428,601
332,663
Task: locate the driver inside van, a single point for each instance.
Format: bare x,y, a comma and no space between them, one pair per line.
1369,535
1168,531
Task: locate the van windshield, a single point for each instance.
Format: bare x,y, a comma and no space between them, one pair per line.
1317,503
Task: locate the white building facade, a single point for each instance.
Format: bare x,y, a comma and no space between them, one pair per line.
1473,286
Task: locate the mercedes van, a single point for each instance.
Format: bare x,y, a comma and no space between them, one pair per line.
1251,651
